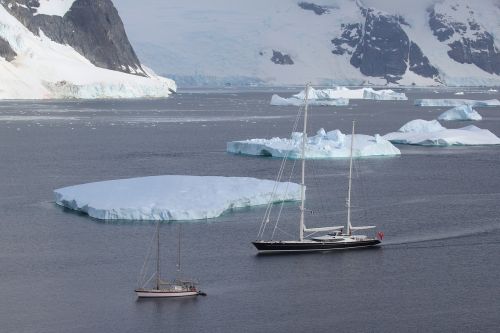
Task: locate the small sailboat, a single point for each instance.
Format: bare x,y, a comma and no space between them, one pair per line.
339,237
163,288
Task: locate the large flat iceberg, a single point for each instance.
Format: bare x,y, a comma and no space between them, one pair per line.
337,96
172,197
323,145
461,112
432,133
455,102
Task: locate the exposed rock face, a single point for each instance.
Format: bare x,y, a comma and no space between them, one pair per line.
469,41
281,59
381,48
6,51
318,10
92,28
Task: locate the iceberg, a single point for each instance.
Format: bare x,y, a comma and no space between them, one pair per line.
294,101
431,133
462,112
383,95
324,145
337,96
456,102
172,197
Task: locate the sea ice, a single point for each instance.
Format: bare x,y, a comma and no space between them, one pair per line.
456,102
431,133
462,112
172,197
325,145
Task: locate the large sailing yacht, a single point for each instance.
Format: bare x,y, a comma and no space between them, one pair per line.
338,237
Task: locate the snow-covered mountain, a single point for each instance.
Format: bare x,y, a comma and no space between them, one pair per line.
282,42
70,49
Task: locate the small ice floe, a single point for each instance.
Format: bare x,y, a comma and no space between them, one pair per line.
462,112
432,133
323,145
459,93
172,197
456,102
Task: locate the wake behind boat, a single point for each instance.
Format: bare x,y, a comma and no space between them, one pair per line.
339,237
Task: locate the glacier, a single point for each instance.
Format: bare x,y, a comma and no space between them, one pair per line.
461,112
324,145
44,69
432,133
172,197
455,102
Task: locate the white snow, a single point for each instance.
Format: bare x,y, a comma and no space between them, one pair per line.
54,7
431,133
172,197
461,112
456,102
323,145
44,69
241,54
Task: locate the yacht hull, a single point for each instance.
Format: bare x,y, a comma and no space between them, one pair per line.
297,246
151,293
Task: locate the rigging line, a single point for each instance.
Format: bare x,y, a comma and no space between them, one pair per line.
283,201
285,232
279,176
143,272
267,213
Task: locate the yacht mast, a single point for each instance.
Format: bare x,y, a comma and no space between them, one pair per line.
348,227
158,256
303,157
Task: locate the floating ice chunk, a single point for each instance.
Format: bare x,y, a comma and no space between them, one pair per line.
492,90
277,100
323,145
337,96
431,133
421,126
462,112
383,95
459,93
171,197
456,102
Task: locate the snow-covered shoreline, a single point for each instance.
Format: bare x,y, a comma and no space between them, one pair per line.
44,69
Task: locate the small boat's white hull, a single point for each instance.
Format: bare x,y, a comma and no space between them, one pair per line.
163,293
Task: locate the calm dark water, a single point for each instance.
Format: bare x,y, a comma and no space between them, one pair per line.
64,272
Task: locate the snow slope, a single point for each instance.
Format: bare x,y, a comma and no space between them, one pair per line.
223,41
45,69
172,197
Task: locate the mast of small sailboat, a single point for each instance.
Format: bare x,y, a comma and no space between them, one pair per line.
348,227
303,157
158,256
